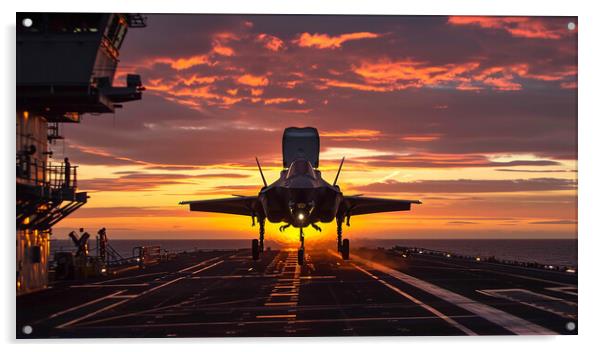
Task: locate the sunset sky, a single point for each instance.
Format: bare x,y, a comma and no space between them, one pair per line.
475,116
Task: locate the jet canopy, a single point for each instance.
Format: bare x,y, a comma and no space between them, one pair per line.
301,167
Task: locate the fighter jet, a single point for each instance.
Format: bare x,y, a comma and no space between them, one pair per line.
300,197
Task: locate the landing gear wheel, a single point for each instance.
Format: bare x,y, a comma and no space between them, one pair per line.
255,249
345,249
301,256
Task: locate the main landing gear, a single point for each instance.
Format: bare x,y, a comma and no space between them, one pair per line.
342,244
257,244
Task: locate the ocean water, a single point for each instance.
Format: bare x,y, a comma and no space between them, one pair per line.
544,251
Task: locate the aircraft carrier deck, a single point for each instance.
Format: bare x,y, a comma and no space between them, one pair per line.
225,293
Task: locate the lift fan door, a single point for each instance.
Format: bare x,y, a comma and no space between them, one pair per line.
300,143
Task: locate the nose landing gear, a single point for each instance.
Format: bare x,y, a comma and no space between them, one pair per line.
301,251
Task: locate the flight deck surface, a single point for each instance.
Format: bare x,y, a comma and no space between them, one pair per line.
225,293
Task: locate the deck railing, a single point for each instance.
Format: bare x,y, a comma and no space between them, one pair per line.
46,174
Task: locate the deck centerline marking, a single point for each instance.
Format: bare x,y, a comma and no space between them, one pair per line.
287,284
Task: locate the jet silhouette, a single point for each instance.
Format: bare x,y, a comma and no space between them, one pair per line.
300,197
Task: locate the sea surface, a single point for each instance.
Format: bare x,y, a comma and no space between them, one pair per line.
544,251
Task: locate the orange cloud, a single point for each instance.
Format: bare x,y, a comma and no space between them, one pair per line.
324,41
386,75
256,92
391,72
194,79
523,27
270,42
223,50
253,81
421,138
283,100
184,63
226,36
183,95
353,134
357,86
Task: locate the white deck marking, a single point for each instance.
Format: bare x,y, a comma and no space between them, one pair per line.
129,277
564,289
71,322
276,316
207,267
318,277
449,320
113,285
525,277
161,286
125,299
227,277
540,303
197,265
112,295
506,320
499,272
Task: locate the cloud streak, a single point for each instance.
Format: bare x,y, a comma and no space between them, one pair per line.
470,186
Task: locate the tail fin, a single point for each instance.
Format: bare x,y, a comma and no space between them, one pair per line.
265,184
338,172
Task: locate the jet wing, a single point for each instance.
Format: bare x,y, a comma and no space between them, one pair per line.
249,206
356,205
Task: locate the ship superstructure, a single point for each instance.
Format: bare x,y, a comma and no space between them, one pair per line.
65,67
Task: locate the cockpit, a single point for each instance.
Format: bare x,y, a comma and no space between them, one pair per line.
301,167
